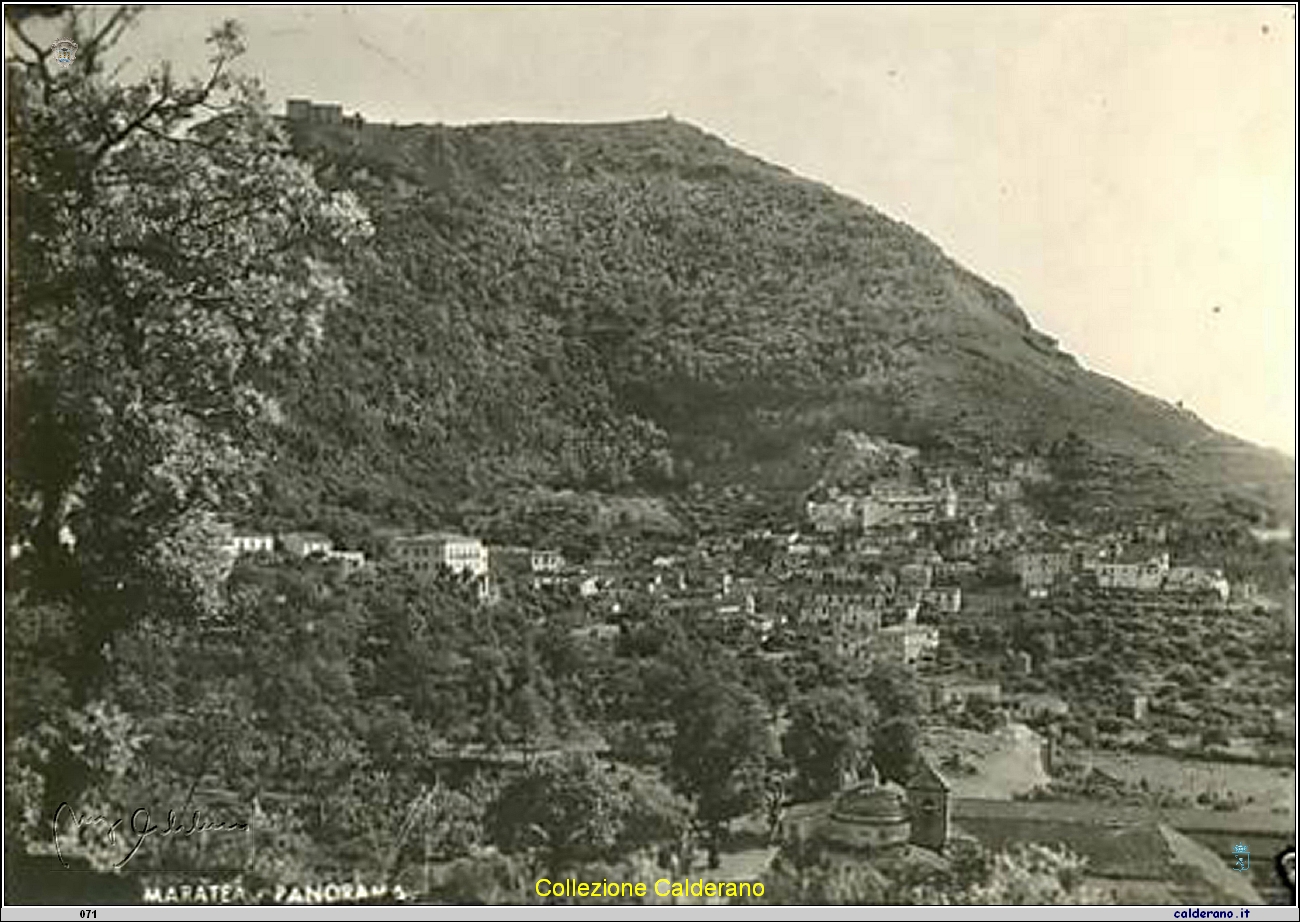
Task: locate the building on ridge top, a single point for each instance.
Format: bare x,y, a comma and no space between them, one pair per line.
320,113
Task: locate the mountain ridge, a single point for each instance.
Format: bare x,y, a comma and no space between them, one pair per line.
640,305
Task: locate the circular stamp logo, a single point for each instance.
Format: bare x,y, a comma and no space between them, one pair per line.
65,51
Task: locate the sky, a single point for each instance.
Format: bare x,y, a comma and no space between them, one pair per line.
1128,174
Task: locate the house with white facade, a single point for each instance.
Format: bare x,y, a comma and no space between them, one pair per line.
306,543
237,543
427,554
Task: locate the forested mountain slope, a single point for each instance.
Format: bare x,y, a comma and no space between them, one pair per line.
640,305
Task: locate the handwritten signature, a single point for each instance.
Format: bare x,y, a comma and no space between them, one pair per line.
140,827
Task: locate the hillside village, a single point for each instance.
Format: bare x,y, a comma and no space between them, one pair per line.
946,571
866,566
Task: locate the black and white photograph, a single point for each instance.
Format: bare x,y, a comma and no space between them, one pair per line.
565,458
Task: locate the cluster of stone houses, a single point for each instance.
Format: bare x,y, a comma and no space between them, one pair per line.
958,691
869,576
886,505
971,512
891,614
877,577
1042,573
718,581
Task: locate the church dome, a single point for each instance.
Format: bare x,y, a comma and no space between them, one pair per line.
867,818
870,804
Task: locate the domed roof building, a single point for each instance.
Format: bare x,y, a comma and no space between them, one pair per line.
867,817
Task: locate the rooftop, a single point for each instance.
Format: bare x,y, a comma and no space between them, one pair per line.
870,803
306,536
437,536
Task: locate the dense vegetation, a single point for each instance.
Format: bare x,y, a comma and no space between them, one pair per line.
1210,675
389,690
640,306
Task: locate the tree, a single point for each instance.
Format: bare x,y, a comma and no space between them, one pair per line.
894,748
571,804
719,752
827,739
577,808
168,254
1029,874
830,885
893,690
819,663
384,823
1214,736
768,678
981,713
261,699
486,879
656,816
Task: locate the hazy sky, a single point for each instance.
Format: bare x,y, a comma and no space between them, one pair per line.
1128,174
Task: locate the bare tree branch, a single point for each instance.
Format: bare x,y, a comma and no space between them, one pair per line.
169,102
38,65
114,138
41,53
121,18
177,139
105,37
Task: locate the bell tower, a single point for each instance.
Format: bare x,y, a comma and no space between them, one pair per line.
929,800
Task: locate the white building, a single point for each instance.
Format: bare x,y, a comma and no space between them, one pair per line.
424,555
238,543
861,611
306,543
1269,535
839,513
1137,577
1040,572
347,561
546,561
892,505
1197,581
943,599
905,643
